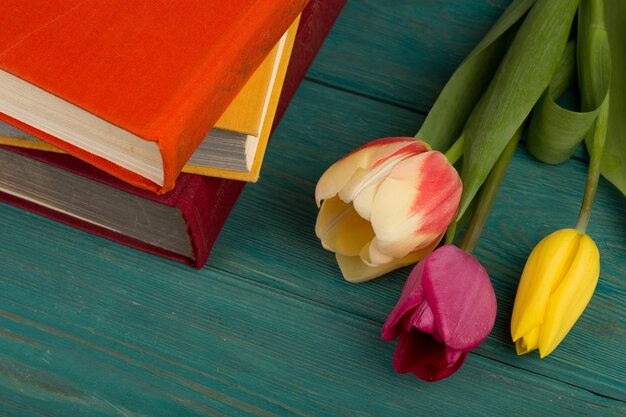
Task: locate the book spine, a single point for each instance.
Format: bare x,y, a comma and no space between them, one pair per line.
205,210
186,119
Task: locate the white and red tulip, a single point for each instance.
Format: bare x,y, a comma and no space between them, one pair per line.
385,205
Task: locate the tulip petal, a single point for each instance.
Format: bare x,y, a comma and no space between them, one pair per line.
372,255
423,320
452,356
341,229
329,211
363,178
355,270
363,201
461,297
415,203
416,350
528,342
412,296
546,266
338,174
422,355
450,369
364,182
569,299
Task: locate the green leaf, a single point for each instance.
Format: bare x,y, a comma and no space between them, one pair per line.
594,54
521,78
613,165
554,131
446,119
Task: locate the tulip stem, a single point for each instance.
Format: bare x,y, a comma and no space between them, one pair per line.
488,195
593,175
456,150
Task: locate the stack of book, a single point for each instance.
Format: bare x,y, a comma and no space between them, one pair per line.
103,103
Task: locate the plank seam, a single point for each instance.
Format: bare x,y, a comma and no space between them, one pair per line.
374,321
361,94
419,112
608,397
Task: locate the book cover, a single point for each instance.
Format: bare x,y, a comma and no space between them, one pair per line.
132,87
204,202
235,146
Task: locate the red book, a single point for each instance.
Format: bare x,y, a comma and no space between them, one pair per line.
203,203
131,87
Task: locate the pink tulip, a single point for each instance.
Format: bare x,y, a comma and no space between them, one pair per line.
385,205
447,308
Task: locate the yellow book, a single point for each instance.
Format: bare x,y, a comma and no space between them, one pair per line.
235,147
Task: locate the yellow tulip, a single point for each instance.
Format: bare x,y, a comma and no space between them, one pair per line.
557,283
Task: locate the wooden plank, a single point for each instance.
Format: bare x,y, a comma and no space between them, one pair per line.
90,328
402,52
270,236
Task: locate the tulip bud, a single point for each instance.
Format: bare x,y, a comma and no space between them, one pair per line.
447,308
557,283
385,205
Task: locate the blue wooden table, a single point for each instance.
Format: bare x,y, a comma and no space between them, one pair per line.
269,327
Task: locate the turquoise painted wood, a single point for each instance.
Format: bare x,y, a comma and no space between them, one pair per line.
402,52
269,327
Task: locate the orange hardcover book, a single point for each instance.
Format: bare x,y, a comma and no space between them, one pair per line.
132,87
235,146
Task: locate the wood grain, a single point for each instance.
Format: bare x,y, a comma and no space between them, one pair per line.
402,52
269,327
116,339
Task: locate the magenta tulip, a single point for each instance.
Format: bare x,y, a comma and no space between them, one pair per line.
447,308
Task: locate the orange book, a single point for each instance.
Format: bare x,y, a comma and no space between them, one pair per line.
132,87
235,146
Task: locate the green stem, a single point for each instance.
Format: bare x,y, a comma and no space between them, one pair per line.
593,176
456,150
450,233
488,195
453,154
595,73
